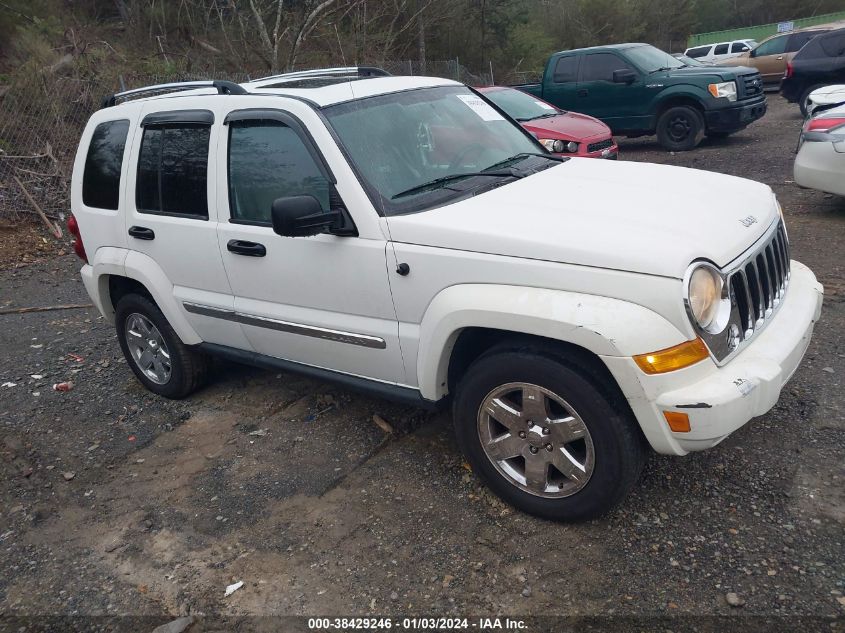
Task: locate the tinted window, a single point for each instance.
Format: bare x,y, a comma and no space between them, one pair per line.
721,49
775,46
811,50
796,41
600,67
701,51
173,170
566,69
834,45
268,160
739,47
101,179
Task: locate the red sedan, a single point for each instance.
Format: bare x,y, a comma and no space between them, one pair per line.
561,132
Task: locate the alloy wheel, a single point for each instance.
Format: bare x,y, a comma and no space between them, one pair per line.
148,349
536,440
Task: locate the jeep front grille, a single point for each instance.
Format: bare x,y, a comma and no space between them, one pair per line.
757,284
758,287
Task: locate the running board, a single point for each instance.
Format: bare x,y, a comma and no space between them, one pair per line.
396,393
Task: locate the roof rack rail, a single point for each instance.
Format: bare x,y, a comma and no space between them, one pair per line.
341,71
223,88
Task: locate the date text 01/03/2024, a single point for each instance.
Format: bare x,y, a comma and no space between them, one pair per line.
416,624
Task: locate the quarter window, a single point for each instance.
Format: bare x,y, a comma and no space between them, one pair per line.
566,69
101,179
268,160
173,170
600,67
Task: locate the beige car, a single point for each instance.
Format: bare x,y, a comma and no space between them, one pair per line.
772,54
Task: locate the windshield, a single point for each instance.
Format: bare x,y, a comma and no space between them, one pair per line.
651,59
689,61
401,143
519,105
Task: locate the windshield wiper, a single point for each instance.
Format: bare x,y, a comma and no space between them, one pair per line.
502,173
521,155
658,70
539,116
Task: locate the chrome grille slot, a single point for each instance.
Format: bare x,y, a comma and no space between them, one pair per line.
757,283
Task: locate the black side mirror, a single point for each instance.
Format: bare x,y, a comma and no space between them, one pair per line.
301,216
624,76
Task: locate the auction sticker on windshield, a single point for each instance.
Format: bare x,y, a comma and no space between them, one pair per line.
482,109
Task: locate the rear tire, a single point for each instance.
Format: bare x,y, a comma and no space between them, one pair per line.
680,128
155,353
597,449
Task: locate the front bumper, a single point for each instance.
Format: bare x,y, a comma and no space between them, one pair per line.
719,400
735,117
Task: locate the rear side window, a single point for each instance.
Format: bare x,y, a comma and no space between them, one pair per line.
268,160
701,51
566,69
797,40
834,45
101,179
721,49
173,170
600,67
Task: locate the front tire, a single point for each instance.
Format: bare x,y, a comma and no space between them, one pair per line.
547,438
155,353
679,129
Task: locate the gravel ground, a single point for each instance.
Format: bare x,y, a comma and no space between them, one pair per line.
116,502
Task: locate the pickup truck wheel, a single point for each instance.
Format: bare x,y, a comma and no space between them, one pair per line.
545,437
679,129
160,360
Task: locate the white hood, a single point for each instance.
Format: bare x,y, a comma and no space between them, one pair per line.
637,217
826,96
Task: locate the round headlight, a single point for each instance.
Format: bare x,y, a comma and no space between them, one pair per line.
705,296
558,146
572,146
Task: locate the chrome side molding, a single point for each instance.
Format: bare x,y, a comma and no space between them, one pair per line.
363,340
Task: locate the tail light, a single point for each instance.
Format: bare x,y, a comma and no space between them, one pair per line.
78,247
822,124
788,72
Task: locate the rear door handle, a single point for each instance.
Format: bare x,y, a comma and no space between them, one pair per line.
142,233
250,249
583,92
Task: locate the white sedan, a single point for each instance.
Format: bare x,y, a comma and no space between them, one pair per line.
820,163
825,98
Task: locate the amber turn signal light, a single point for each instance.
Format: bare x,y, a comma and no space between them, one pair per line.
678,422
672,358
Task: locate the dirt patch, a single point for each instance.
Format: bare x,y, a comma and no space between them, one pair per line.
25,243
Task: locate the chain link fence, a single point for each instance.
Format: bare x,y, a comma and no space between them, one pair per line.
42,117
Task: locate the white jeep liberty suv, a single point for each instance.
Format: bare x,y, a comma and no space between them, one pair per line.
403,235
